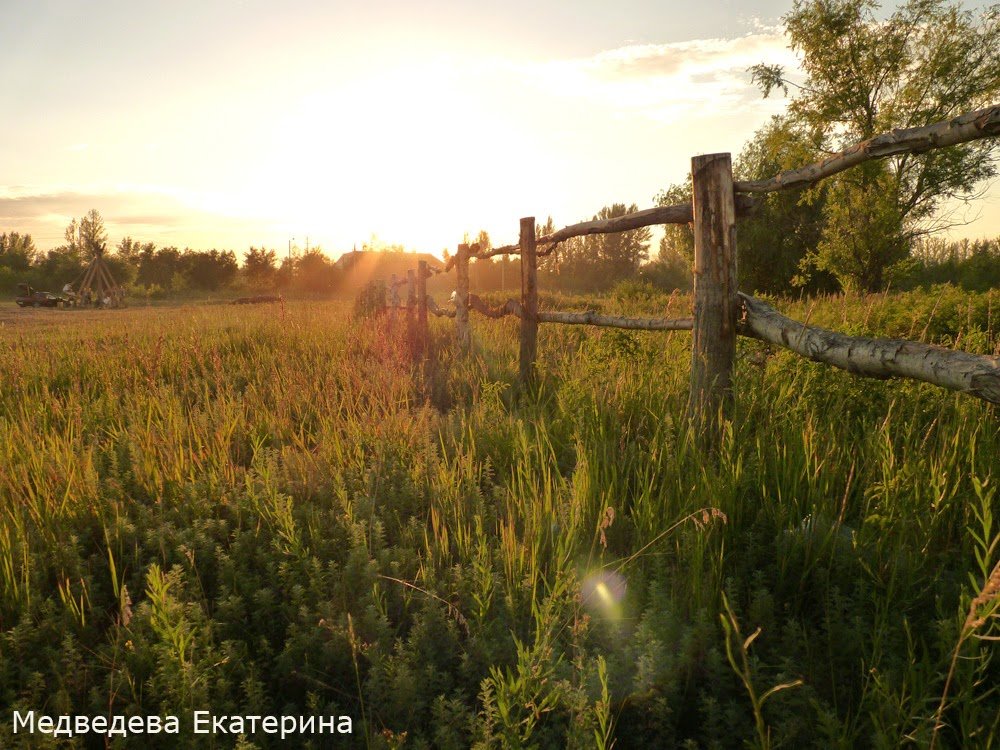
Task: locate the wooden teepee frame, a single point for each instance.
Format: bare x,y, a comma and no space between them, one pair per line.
98,284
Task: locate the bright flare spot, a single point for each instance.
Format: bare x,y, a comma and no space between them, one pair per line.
604,591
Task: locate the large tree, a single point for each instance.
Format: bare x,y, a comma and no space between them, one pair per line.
927,61
87,235
776,242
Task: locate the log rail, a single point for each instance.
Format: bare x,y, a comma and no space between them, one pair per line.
722,311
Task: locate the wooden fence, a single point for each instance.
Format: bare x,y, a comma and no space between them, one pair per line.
721,312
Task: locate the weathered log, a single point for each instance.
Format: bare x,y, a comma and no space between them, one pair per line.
505,250
713,345
433,309
258,300
977,375
982,123
510,307
592,318
679,214
588,317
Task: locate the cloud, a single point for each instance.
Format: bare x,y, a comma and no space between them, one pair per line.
148,213
666,81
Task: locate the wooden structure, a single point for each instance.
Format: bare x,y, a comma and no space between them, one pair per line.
97,286
721,312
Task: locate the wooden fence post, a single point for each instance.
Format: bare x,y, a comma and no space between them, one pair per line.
715,302
462,298
529,300
422,274
380,295
411,301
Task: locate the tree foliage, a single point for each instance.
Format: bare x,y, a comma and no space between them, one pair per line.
260,266
597,261
87,236
928,61
777,241
17,251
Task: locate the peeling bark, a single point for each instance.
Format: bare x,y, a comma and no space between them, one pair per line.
977,375
982,123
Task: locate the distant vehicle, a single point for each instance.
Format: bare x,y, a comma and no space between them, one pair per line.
33,298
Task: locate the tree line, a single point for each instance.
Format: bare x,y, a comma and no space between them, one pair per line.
862,73
151,271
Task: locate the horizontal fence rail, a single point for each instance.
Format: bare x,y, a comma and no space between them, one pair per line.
972,126
720,311
977,375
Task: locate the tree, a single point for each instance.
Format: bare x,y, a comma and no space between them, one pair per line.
210,270
928,61
677,239
597,261
777,242
86,236
17,251
259,266
315,271
158,267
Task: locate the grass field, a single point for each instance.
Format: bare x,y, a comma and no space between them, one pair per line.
263,510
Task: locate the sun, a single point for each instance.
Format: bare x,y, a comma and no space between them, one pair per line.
407,154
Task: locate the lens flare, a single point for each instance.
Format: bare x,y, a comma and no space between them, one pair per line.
604,590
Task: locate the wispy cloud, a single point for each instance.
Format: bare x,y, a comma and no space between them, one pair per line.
667,81
143,212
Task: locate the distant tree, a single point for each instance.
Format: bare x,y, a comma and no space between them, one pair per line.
677,239
315,272
598,261
548,262
260,266
286,272
669,271
17,251
87,235
209,270
483,241
132,251
60,265
158,267
928,61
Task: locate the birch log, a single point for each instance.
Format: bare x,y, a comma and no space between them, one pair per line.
982,123
679,214
977,375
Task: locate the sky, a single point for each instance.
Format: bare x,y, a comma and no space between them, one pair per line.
231,123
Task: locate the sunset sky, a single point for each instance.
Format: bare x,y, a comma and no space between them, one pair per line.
235,123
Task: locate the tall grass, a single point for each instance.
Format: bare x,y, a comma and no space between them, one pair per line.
247,512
